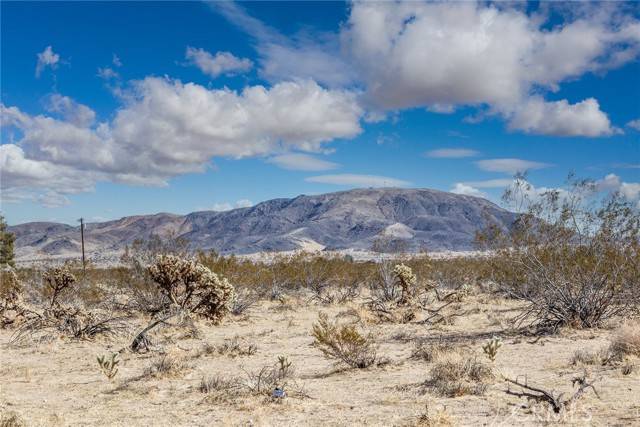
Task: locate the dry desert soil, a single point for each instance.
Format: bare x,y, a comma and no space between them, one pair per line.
57,382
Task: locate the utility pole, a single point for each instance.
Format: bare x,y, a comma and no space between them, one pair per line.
82,239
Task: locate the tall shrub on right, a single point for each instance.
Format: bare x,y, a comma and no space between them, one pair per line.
573,258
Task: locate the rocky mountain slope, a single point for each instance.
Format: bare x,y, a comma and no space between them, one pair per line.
355,219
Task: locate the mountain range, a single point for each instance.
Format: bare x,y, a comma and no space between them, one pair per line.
354,219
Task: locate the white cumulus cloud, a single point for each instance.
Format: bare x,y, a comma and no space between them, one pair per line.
467,190
167,128
220,63
46,58
561,118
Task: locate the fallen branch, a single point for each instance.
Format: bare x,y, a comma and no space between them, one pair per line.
556,401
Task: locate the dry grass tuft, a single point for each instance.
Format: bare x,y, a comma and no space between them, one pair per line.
585,357
237,347
429,352
626,341
220,389
440,419
11,419
165,366
455,375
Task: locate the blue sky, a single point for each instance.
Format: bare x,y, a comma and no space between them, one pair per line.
114,108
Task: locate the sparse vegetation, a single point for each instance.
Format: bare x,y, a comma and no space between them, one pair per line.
344,343
11,419
164,366
109,365
626,341
491,348
192,286
171,301
573,263
6,245
57,280
455,375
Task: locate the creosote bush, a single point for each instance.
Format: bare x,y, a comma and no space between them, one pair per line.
576,263
192,286
344,343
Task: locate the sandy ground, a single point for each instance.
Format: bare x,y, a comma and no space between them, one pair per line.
59,383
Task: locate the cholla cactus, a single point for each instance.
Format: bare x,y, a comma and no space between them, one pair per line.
491,347
10,288
406,279
192,286
109,366
57,280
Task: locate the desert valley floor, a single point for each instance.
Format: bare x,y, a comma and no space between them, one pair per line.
58,383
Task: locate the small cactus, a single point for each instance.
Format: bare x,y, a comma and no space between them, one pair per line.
407,281
109,366
491,348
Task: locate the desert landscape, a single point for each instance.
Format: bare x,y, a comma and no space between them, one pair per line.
541,333
319,213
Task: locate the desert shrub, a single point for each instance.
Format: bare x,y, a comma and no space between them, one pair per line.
165,366
237,347
11,290
264,381
456,375
12,309
57,280
219,385
11,419
399,295
191,286
586,357
343,343
6,245
242,302
384,285
430,352
574,262
438,419
626,341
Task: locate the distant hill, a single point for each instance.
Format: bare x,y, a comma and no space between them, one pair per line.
354,219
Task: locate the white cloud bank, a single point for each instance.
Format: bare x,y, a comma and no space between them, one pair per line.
417,54
167,128
444,55
301,162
